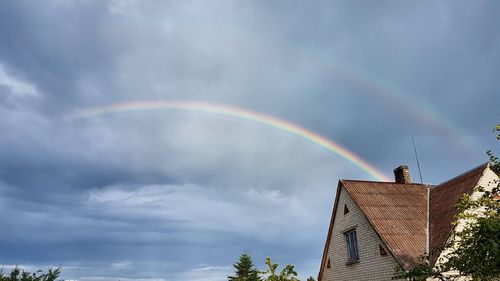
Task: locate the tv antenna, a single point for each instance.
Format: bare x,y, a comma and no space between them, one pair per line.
418,162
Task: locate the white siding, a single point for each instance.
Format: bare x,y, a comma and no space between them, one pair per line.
371,265
488,181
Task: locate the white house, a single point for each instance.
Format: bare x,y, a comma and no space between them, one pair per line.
377,226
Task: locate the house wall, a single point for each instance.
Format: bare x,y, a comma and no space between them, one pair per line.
488,181
371,265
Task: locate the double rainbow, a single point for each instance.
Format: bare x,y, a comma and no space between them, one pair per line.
240,113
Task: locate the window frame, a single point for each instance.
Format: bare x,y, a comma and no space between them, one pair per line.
351,239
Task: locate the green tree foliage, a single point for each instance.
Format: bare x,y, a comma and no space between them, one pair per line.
288,273
497,131
477,247
420,272
475,251
245,270
18,274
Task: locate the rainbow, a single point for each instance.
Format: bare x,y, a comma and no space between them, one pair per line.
417,109
244,114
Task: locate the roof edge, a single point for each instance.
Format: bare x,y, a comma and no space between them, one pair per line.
383,182
465,174
330,228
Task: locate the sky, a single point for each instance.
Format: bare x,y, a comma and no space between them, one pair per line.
99,176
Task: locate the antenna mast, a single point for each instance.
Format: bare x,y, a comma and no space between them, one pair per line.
418,162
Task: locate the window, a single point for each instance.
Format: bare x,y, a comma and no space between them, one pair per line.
346,210
352,245
382,250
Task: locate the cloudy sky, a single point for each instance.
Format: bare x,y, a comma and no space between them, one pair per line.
178,194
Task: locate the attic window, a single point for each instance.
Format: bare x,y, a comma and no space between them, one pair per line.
352,246
346,210
328,263
382,250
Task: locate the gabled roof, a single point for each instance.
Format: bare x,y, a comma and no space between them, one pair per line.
386,207
442,206
397,212
400,213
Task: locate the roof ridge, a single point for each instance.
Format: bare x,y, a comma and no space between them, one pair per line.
382,182
465,175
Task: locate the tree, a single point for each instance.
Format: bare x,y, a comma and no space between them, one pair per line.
18,274
287,274
475,250
245,270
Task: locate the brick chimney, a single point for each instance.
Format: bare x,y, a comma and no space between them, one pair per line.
402,174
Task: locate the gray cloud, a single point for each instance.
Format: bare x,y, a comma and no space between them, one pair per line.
178,195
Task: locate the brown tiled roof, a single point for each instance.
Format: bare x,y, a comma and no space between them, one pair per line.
397,212
442,206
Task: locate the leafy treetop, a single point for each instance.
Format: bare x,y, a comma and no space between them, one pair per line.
18,274
245,270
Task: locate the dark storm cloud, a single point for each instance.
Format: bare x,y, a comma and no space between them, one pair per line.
38,47
162,195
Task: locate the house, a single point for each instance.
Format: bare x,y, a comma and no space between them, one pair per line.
378,226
